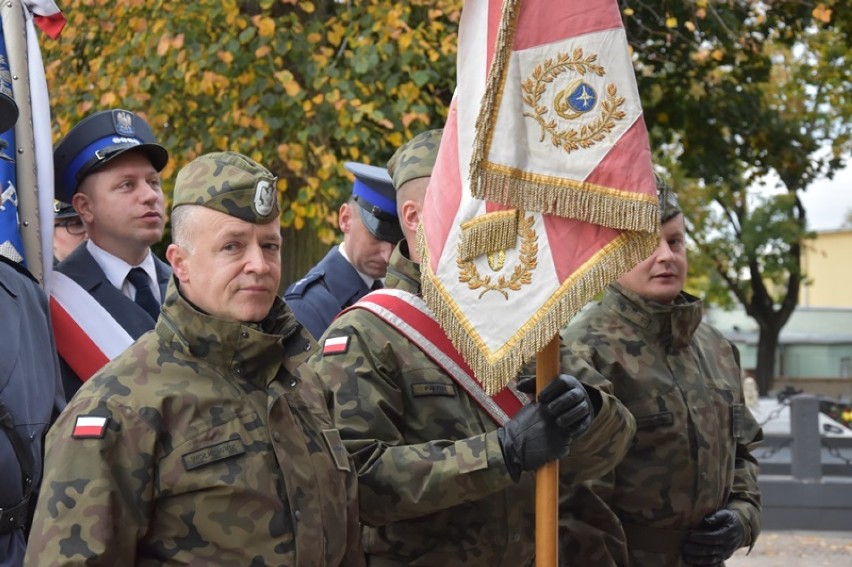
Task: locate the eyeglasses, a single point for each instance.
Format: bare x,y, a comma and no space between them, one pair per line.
73,225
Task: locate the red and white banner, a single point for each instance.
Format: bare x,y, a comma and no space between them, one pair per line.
543,191
87,336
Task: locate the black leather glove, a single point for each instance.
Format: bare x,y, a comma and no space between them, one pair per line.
722,535
542,432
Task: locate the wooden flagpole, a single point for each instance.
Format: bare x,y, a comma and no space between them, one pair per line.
547,477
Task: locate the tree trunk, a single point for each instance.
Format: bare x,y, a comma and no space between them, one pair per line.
766,348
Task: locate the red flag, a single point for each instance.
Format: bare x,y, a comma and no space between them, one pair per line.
543,191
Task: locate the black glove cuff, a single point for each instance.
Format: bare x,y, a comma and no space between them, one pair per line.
511,466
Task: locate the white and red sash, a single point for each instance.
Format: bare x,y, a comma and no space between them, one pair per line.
87,336
409,315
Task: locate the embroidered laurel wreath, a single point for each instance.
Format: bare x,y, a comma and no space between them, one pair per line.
522,273
589,134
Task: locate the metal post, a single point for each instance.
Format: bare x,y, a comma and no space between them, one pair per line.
806,449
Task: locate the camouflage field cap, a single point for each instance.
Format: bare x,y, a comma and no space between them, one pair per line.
415,158
669,206
230,183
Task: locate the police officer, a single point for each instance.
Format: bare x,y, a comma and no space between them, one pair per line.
441,482
108,168
687,492
68,230
204,443
355,267
30,391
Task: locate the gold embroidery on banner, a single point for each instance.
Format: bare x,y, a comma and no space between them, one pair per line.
575,99
521,274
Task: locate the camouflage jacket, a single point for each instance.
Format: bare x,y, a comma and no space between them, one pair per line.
691,456
433,485
216,451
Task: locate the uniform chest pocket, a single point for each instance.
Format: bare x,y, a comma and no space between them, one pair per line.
226,454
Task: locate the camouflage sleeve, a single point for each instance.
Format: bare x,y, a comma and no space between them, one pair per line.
97,491
405,471
745,493
604,445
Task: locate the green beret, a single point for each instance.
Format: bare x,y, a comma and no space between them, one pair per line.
669,206
416,158
230,183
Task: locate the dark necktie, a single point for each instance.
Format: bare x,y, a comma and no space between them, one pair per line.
144,298
377,284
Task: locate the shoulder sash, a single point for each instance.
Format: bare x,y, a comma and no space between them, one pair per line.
410,315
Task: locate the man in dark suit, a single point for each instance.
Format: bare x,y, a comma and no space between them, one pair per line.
108,168
370,227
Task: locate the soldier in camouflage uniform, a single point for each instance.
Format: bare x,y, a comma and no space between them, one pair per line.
440,483
207,442
687,492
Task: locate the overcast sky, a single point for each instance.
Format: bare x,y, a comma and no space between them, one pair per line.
829,202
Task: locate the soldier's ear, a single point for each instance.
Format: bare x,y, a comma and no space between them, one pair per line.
344,218
177,258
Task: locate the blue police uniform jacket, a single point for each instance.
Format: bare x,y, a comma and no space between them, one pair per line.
81,267
327,289
30,391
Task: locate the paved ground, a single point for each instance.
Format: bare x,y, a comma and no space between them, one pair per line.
797,549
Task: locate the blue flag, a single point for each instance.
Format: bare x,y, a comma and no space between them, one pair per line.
11,244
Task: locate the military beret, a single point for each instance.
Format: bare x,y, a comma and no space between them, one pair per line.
373,191
63,210
230,183
415,158
669,206
8,111
96,140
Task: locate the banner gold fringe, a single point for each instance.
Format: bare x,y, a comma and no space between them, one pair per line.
493,90
488,233
612,209
496,370
549,195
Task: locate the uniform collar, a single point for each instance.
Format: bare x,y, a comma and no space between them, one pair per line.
402,272
253,351
673,324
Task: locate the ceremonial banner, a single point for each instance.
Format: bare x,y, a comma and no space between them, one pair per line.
27,234
543,191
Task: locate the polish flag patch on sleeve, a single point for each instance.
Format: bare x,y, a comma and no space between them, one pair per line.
335,345
90,427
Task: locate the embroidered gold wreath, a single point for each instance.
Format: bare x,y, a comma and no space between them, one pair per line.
521,274
589,134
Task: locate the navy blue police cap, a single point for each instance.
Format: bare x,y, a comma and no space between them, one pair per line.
373,191
8,112
96,140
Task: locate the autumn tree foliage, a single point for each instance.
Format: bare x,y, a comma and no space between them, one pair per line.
733,91
300,86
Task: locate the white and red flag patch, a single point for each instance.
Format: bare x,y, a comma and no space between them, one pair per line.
90,427
543,191
335,345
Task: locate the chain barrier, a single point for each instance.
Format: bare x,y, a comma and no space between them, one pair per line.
834,451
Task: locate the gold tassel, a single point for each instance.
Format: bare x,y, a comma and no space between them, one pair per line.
491,232
496,370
